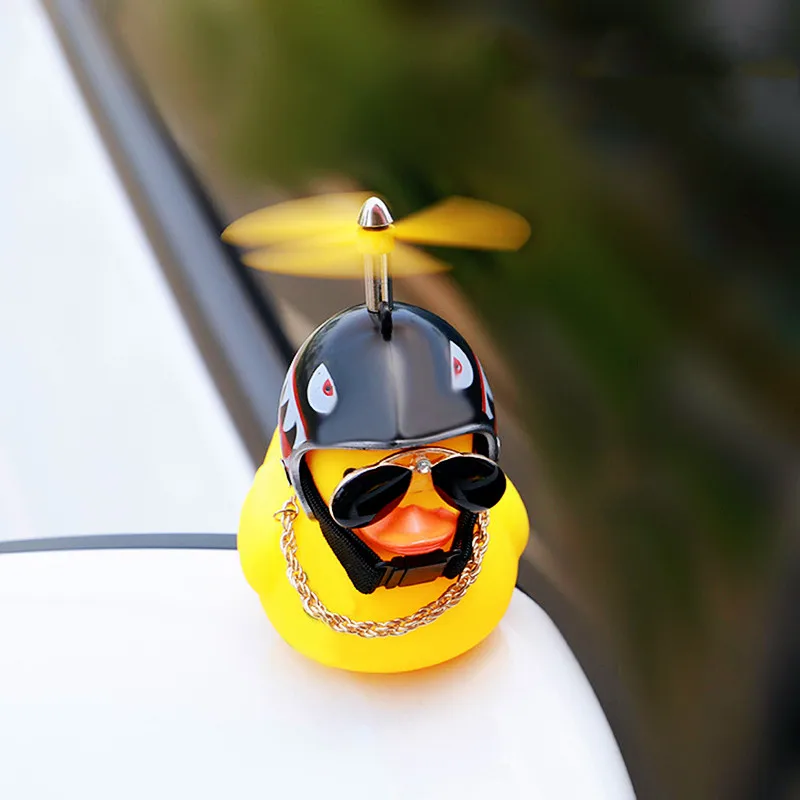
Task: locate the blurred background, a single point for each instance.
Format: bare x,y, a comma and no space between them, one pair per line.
642,347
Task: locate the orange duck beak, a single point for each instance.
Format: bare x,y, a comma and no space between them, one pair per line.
410,530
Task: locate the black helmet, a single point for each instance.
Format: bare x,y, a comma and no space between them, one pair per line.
349,386
359,383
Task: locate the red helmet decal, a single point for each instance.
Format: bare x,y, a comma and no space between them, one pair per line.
291,424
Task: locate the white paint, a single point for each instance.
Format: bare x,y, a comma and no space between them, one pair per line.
321,403
487,390
463,379
156,674
108,418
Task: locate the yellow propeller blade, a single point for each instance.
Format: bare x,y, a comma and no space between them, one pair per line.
461,222
296,219
338,260
407,260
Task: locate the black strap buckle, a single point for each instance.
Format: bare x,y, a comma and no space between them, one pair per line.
411,570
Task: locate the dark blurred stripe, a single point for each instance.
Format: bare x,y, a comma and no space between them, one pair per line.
232,321
124,541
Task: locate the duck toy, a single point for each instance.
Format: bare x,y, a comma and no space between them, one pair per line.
380,533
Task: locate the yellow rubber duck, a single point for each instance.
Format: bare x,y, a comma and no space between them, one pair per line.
382,473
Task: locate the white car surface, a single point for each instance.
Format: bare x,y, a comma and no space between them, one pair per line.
109,420
156,674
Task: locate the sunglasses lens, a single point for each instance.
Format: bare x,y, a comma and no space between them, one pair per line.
369,496
469,483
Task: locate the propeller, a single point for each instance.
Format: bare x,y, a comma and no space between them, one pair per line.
338,235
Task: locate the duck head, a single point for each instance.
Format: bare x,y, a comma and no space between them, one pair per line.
372,425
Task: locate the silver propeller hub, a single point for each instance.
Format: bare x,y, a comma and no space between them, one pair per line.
374,214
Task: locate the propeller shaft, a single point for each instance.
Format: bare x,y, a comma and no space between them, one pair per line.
375,216
377,281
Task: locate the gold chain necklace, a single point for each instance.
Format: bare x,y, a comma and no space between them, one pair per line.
370,629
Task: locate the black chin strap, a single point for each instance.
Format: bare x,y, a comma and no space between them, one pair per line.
367,570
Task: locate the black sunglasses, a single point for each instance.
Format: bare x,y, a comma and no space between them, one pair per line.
466,481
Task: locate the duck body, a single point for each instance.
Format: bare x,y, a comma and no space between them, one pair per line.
456,631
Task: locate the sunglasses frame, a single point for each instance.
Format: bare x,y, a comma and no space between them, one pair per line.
421,464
